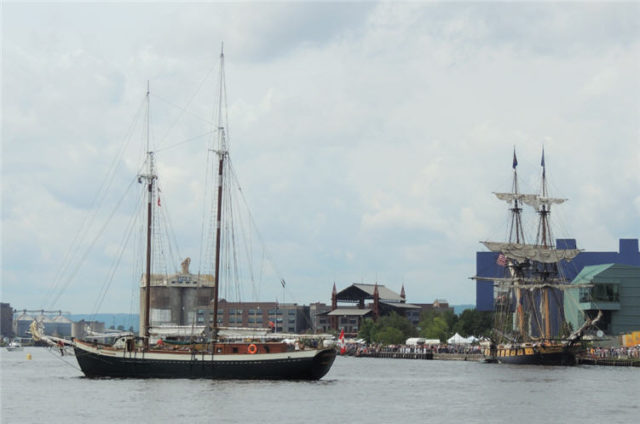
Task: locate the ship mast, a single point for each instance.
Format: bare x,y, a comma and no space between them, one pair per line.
544,239
516,235
149,177
222,154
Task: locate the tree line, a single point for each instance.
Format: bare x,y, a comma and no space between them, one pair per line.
396,329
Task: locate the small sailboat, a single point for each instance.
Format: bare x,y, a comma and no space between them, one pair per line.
529,325
14,346
209,353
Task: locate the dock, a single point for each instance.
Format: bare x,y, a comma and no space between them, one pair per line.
609,362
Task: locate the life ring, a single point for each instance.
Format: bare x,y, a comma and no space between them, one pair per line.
252,349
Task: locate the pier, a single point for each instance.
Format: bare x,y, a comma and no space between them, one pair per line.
397,355
609,362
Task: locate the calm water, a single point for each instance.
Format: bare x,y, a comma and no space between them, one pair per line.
355,391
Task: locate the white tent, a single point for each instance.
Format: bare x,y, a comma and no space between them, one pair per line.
458,339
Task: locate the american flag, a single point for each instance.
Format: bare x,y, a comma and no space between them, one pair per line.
502,260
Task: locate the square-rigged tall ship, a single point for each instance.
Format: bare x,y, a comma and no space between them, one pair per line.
207,351
529,325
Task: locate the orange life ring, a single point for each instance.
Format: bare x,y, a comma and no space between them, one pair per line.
252,349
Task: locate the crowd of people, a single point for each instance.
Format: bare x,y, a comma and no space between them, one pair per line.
359,349
621,352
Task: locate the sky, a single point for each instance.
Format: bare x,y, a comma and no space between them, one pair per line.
368,137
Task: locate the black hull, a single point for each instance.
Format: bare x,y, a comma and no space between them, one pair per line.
97,365
533,355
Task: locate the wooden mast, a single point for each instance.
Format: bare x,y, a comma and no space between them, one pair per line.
545,241
221,157
150,178
516,224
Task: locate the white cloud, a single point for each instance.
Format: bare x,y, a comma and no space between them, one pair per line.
367,147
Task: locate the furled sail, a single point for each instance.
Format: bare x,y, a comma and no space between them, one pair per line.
536,201
510,197
521,252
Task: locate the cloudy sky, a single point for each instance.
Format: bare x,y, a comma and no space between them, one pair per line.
367,136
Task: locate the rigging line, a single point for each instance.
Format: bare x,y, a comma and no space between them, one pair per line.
535,309
188,140
92,244
556,297
184,109
246,237
50,350
108,280
206,224
129,230
169,230
252,220
74,247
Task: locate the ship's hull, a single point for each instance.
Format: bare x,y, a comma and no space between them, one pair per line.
294,365
533,355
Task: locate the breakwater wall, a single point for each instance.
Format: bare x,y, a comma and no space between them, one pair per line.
397,355
423,355
610,362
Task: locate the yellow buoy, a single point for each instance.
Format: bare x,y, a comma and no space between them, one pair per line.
29,356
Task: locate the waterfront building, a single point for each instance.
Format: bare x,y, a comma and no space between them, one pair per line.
320,322
487,266
281,317
62,326
438,305
81,329
21,324
383,302
176,299
615,292
6,320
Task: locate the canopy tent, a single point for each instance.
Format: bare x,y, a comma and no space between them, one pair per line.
458,339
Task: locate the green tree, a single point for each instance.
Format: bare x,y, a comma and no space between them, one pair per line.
436,324
390,329
390,335
367,330
436,328
474,323
400,323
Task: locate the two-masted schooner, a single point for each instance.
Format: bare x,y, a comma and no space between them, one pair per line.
209,354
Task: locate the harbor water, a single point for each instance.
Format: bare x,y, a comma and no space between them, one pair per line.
356,390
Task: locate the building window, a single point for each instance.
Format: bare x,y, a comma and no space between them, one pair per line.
600,293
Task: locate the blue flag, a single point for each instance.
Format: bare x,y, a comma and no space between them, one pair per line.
542,163
515,159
